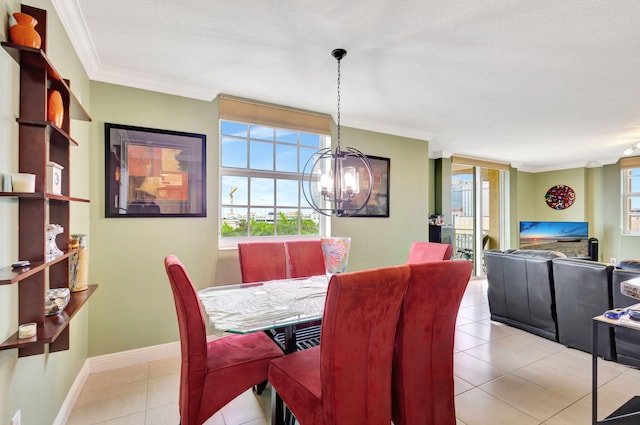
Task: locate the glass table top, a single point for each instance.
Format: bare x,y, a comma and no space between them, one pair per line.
251,307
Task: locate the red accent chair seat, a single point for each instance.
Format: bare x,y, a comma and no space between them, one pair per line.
347,379
212,373
422,252
423,392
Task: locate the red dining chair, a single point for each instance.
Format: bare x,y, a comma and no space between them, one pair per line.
260,261
422,252
212,373
305,258
423,390
347,378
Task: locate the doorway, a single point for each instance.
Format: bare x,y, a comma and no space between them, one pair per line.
478,211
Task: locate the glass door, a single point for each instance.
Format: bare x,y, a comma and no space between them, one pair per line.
477,208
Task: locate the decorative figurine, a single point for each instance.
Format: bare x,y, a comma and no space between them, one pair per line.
53,230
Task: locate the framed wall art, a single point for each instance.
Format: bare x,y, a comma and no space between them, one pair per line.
378,204
560,197
154,173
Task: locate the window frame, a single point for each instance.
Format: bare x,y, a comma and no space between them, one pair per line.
627,196
230,242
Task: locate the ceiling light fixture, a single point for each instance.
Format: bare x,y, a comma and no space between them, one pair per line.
632,149
338,182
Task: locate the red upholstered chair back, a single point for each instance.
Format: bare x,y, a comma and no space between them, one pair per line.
422,252
262,261
356,345
193,339
305,258
423,390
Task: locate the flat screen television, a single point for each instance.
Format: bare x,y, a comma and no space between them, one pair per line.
568,237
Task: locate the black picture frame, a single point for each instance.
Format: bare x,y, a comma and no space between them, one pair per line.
378,204
154,173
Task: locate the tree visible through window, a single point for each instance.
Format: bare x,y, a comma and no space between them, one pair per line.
260,177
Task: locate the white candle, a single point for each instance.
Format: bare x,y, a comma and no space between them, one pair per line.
27,330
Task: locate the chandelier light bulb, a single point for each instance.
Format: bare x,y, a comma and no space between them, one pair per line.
326,183
350,181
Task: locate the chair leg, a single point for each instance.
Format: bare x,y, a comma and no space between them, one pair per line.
289,419
260,387
277,408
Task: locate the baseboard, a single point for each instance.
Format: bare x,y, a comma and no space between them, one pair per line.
133,357
72,396
108,362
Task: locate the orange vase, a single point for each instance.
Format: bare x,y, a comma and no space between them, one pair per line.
55,108
24,31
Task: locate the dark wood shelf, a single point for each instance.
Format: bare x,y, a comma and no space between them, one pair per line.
40,141
53,325
40,195
57,135
10,275
28,56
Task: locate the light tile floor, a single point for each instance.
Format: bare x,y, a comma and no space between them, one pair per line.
502,376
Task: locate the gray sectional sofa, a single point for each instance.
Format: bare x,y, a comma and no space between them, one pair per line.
521,291
550,295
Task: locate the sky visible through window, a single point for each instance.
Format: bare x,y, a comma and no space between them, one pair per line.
260,179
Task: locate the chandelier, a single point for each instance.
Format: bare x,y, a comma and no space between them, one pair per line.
337,182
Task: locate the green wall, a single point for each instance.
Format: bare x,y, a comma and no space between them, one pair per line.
598,201
37,385
127,253
134,307
378,241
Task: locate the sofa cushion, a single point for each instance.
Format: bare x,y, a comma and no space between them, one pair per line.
583,291
520,290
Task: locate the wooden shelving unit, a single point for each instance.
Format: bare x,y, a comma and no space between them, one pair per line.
40,141
53,326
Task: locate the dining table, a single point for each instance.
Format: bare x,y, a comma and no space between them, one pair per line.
261,306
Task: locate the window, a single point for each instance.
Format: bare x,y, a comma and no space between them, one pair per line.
260,182
631,200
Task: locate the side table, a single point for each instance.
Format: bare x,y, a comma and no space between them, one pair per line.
628,413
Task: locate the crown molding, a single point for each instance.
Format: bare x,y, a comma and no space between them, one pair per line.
76,27
567,166
440,154
152,83
74,23
379,128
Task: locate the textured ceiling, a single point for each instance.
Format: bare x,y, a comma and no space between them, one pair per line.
543,84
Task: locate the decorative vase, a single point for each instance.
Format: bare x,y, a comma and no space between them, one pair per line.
55,108
78,263
336,254
24,32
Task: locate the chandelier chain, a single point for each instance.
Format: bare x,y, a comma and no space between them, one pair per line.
338,116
